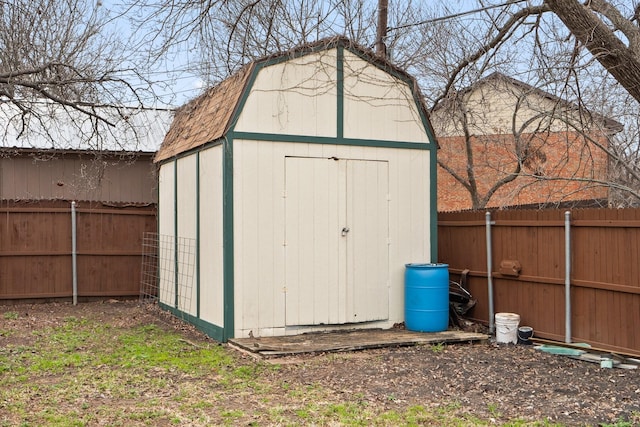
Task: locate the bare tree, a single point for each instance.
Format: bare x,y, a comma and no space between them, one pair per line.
612,37
62,58
561,46
221,36
562,63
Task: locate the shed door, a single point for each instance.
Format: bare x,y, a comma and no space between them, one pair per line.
337,228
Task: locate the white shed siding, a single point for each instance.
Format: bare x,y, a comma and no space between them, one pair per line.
296,97
211,265
259,227
258,235
166,224
187,216
378,105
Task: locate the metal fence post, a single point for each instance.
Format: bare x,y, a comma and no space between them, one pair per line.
74,254
567,276
489,275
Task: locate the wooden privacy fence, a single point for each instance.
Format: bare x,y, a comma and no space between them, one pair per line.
604,277
36,249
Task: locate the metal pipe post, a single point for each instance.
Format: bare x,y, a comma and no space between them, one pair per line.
489,275
567,276
74,254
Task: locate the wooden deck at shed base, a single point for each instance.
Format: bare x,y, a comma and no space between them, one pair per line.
321,342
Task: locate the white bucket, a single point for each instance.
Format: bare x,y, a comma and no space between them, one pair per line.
507,327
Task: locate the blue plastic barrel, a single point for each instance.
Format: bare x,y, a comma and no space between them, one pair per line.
426,297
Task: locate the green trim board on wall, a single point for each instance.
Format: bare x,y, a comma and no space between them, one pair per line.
198,234
176,260
307,139
215,332
227,240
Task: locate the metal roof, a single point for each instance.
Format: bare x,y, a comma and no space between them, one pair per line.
105,128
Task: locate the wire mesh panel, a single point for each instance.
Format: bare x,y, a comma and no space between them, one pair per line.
162,255
149,279
184,288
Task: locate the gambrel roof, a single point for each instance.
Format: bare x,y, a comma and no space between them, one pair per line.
205,118
209,117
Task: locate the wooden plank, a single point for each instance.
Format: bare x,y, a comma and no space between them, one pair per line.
349,341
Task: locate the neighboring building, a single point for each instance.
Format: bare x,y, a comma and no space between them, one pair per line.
69,157
513,128
293,194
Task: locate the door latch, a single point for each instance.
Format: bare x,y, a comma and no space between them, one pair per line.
345,230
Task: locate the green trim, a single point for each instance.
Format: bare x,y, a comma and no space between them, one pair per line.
214,331
198,234
175,231
306,139
158,237
227,238
340,94
433,204
191,151
325,47
246,91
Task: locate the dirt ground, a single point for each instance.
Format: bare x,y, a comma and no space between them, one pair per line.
494,382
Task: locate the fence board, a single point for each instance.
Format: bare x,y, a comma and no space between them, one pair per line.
605,273
35,249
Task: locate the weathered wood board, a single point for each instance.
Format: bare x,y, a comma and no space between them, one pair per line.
349,341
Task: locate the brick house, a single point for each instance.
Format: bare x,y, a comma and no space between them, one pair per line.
522,146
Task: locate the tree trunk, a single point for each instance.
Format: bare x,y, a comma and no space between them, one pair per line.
619,60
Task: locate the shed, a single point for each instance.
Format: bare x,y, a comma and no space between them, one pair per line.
292,195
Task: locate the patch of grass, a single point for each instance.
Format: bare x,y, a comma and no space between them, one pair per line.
231,414
150,347
348,413
84,372
11,315
493,410
412,416
523,423
619,423
437,348
147,415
